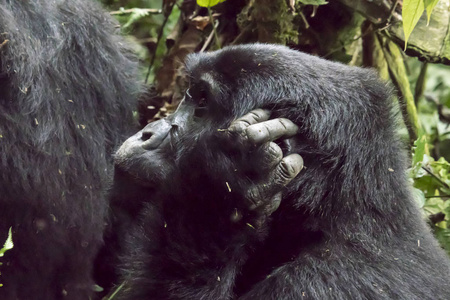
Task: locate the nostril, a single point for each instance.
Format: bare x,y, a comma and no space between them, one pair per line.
146,135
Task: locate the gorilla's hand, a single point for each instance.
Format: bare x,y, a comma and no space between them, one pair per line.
256,132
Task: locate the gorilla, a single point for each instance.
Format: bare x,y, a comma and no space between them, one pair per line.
68,85
217,210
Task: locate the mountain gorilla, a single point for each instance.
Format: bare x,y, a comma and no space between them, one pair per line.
210,226
67,86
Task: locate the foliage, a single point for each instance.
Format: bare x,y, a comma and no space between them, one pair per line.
7,246
431,172
412,11
432,179
313,2
429,6
208,3
137,20
136,15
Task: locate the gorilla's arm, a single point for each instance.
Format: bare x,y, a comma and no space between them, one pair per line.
210,215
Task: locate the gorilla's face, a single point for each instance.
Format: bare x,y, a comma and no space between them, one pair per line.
223,86
149,154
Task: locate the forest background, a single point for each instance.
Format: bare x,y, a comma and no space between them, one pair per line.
407,41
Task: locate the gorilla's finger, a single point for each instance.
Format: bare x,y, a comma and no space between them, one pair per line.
273,204
253,117
287,169
267,195
260,199
271,130
270,156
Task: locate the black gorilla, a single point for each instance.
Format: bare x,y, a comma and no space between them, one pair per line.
347,226
67,87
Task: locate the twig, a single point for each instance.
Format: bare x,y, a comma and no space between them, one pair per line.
397,73
245,33
420,83
110,297
160,33
348,43
435,177
3,43
209,39
214,29
304,19
391,12
132,10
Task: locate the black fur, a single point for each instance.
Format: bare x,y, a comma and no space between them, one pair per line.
67,87
347,227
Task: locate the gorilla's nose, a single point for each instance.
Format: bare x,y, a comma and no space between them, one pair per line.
146,135
154,134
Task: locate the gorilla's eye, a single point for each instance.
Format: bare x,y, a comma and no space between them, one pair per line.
202,102
198,95
201,98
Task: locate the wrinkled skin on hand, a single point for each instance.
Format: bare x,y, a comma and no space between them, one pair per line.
255,130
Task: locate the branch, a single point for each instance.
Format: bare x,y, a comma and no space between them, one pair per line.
132,10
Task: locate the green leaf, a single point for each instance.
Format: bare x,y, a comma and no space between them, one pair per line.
98,289
419,148
135,16
313,2
8,244
443,236
411,13
208,3
419,197
429,5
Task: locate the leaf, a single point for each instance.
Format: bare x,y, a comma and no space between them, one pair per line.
313,2
208,3
429,5
419,197
419,148
135,16
8,244
411,13
443,235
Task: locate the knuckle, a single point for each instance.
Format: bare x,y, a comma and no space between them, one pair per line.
257,132
253,194
287,170
238,126
259,114
289,126
255,197
273,151
285,123
255,115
